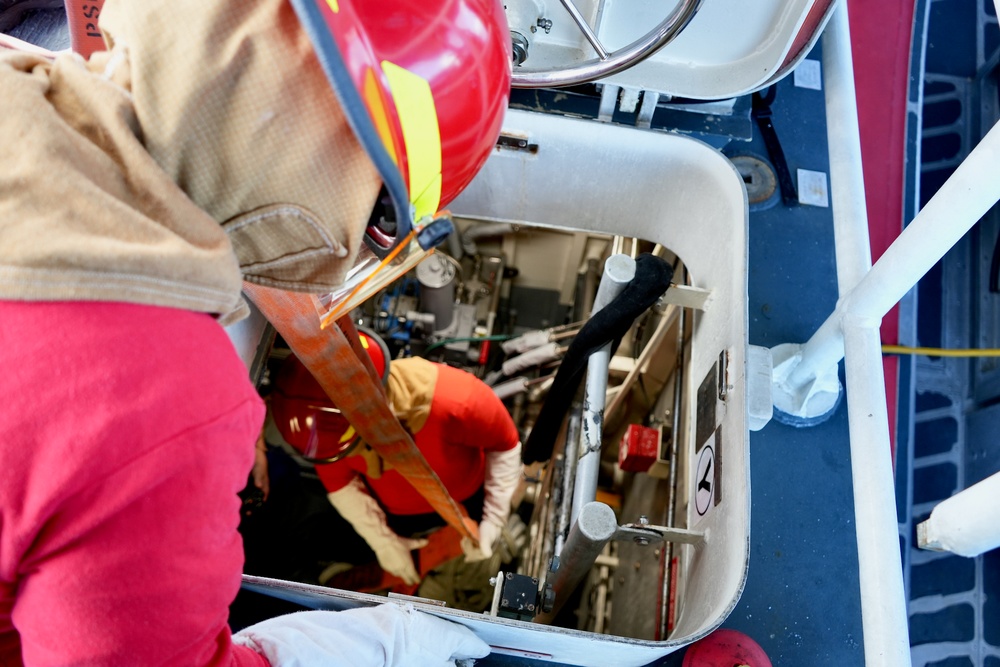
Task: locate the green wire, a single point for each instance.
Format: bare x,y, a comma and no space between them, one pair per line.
460,340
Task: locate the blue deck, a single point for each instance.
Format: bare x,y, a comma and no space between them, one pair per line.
802,600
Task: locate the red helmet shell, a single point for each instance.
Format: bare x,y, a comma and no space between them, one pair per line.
725,648
305,416
460,48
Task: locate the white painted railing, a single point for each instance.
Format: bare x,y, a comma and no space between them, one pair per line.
867,293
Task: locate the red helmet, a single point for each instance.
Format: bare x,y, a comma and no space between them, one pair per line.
424,85
306,417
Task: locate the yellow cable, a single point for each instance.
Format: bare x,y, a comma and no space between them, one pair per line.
940,352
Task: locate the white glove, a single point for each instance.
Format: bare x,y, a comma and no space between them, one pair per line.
489,533
503,472
384,636
364,514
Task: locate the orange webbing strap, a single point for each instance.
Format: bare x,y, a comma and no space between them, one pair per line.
339,370
85,37
346,326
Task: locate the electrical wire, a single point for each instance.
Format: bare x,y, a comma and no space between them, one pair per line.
460,340
940,352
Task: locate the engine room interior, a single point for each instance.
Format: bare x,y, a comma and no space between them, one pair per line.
504,303
644,562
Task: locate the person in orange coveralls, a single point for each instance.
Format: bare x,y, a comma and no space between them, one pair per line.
456,421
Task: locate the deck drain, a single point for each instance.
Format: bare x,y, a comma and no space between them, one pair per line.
758,176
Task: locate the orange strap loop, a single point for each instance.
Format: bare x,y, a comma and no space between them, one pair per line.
85,37
330,356
346,326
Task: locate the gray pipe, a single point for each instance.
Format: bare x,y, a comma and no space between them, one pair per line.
455,244
675,434
589,289
593,529
571,456
482,231
618,272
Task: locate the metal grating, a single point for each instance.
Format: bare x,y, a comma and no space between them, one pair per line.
954,614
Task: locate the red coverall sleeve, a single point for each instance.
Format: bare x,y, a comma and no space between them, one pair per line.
119,511
336,476
144,563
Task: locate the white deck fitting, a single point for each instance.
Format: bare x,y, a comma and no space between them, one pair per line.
966,524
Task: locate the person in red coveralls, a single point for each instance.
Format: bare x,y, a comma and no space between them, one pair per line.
456,421
213,143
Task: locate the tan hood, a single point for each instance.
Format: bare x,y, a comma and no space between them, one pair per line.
410,390
85,213
233,105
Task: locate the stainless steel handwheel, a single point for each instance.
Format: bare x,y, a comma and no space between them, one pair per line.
607,62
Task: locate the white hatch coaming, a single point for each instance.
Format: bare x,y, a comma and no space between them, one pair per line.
684,195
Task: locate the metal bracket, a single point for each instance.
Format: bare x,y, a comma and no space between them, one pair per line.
644,534
519,596
686,296
516,143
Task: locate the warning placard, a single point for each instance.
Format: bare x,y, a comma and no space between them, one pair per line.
706,478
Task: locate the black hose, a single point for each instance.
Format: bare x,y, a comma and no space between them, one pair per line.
608,325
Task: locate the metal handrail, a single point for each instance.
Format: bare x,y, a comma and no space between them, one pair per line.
867,292
614,61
